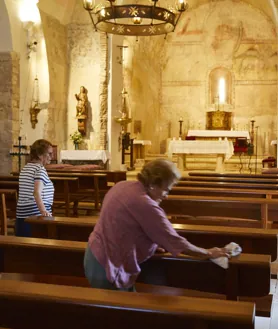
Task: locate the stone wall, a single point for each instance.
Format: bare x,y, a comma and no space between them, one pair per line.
168,79
9,108
56,45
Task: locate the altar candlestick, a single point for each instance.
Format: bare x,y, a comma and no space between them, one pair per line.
180,121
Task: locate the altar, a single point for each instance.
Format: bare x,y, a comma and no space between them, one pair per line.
212,134
85,157
223,149
140,148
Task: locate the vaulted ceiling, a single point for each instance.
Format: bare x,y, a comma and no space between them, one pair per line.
63,9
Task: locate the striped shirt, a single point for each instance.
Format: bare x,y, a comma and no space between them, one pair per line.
26,205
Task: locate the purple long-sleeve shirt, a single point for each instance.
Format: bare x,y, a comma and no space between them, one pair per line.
130,227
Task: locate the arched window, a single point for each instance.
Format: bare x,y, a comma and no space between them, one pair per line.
220,86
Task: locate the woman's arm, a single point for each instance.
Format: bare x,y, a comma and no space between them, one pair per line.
193,250
38,188
158,228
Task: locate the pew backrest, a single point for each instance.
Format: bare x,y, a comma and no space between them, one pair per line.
236,175
53,257
237,185
253,241
231,180
46,306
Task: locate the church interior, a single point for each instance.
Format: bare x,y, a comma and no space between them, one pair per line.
197,85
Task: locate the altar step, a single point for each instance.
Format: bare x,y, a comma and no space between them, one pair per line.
235,164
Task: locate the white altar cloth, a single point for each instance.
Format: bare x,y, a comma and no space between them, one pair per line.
224,149
219,133
142,142
85,155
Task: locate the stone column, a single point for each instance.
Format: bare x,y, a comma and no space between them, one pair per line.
9,108
56,45
103,91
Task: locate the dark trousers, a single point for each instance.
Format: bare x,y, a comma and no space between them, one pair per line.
96,275
21,228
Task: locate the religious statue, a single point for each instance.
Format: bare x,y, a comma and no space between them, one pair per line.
82,109
82,102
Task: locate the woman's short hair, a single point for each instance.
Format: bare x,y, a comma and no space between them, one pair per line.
159,172
38,148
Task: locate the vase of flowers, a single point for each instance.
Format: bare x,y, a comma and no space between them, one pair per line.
77,139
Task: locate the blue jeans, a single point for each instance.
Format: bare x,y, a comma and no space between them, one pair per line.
96,275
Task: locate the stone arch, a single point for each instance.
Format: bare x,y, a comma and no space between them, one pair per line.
9,89
6,43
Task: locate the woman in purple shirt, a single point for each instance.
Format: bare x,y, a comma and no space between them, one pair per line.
131,227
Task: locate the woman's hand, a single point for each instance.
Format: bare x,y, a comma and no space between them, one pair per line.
160,250
218,252
46,213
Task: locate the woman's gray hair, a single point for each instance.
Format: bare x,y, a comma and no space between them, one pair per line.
158,172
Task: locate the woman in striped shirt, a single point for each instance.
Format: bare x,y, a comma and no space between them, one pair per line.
36,190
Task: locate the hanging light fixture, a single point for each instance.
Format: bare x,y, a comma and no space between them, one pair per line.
138,19
35,106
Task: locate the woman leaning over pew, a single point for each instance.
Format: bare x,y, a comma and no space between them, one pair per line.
132,226
36,190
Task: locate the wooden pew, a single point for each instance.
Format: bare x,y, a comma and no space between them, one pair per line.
237,185
113,176
251,209
53,257
8,201
46,306
253,241
224,192
65,189
236,175
6,184
232,192
8,178
89,187
272,181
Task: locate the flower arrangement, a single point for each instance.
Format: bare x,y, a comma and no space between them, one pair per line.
76,137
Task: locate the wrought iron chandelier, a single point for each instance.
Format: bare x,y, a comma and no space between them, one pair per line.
135,19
